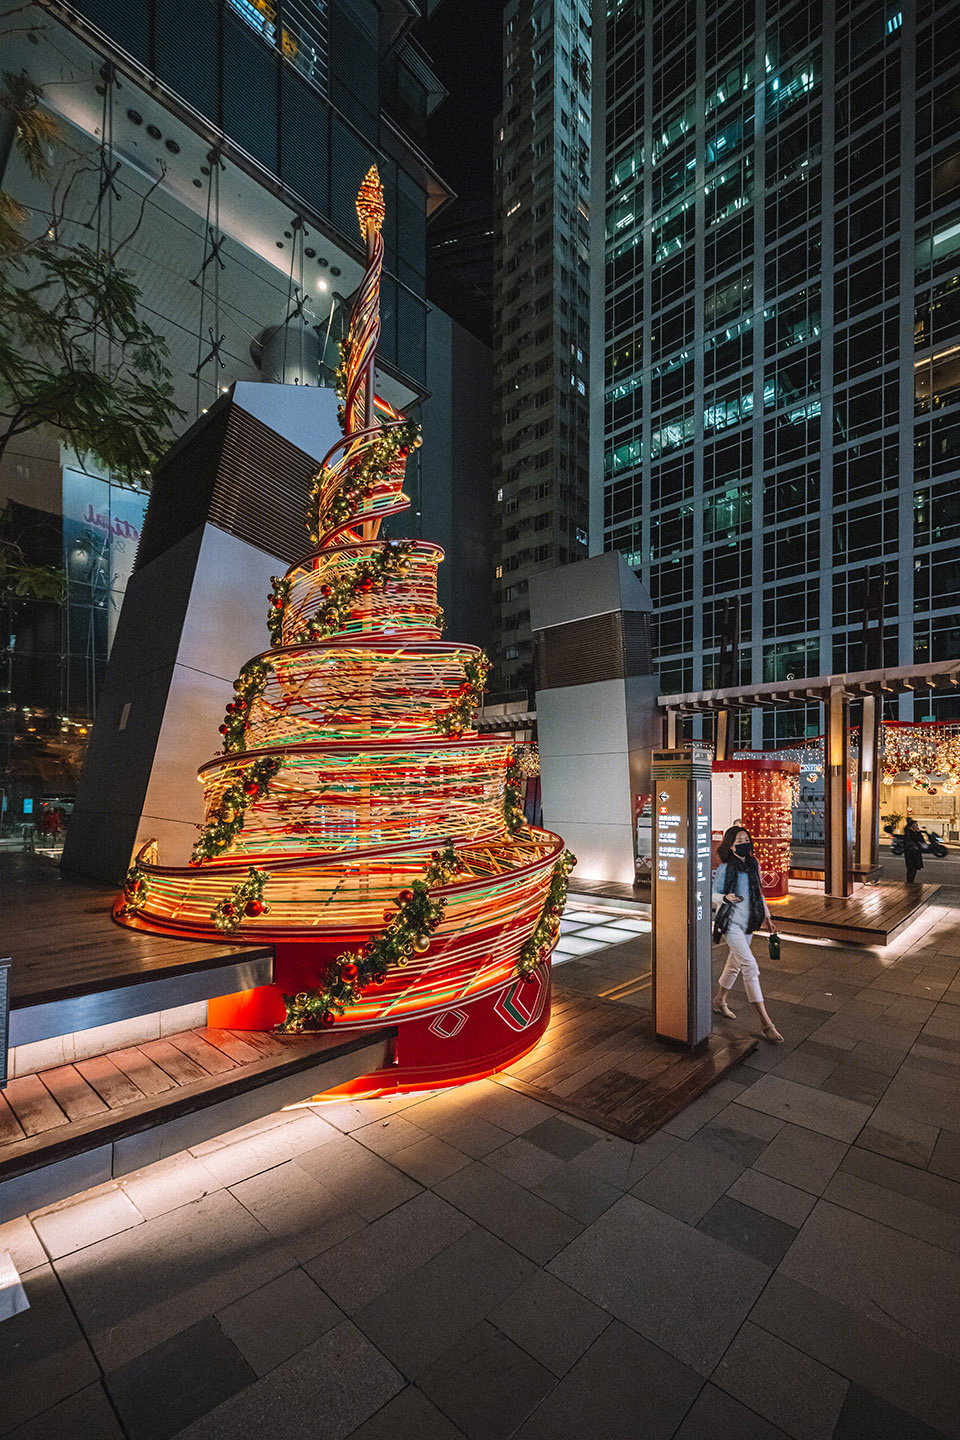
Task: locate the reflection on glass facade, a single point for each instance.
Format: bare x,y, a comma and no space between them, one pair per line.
782,331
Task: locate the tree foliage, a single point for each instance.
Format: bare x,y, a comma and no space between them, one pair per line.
75,355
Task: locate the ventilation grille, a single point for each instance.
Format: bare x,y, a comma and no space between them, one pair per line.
602,647
240,475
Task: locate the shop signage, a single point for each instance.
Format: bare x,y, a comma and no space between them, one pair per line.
681,895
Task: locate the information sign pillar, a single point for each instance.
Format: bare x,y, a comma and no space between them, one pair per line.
681,894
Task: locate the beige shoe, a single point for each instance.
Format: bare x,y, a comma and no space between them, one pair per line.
723,1009
771,1033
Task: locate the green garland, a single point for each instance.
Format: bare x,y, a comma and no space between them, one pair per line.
277,601
513,816
408,930
222,829
371,574
454,720
363,473
249,686
538,947
245,901
135,891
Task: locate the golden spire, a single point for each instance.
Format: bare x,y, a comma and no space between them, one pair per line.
370,210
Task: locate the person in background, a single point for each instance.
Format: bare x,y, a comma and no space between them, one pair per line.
737,879
912,849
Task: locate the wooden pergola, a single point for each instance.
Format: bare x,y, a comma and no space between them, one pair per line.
851,840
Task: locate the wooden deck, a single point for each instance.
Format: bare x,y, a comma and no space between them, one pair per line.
63,943
59,1113
601,1062
873,915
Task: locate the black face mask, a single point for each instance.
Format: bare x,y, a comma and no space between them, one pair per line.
742,850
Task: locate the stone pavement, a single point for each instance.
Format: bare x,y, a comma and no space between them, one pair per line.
782,1259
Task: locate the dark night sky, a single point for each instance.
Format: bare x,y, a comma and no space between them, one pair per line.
463,38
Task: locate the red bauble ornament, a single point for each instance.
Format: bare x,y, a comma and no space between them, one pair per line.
349,972
379,977
224,729
229,709
228,907
405,896
387,916
327,1018
326,590
251,788
529,977
255,908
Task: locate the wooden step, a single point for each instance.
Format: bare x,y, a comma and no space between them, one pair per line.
75,1110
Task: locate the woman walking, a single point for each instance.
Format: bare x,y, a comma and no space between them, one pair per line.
912,849
737,879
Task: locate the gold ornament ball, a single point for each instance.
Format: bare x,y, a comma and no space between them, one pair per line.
422,944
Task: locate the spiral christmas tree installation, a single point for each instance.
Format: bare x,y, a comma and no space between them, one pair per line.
354,818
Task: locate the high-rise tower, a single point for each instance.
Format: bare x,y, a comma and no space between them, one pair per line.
781,369
541,313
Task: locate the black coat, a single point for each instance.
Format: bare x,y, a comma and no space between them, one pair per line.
911,849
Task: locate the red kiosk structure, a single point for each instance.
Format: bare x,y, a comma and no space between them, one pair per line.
354,818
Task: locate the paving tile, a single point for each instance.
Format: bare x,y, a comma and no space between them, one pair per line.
363,1182
550,1321
865,1414
923,1185
827,1114
416,1320
160,1392
21,1242
525,1163
740,1134
503,1107
266,1148
429,1160
44,1357
384,1137
880,1273
802,1158
272,1323
136,1289
688,1182
74,1224
702,1110
924,1099
901,1139
715,1415
804,1068
408,1414
853,1082
324,1392
384,1252
88,1415
781,1383
945,1156
623,1388
573,945
772,1197
649,1154
486,1384
558,1137
903,1213
870,1353
749,1230
296,1208
465,1132
168,1184
578,1192
681,1288
878,1058
526,1222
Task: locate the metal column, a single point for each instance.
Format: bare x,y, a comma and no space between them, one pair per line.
838,806
868,787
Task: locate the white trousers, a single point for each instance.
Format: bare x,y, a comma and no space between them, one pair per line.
740,961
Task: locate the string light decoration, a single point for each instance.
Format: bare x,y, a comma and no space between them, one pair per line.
354,817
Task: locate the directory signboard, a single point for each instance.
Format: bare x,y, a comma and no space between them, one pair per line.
681,894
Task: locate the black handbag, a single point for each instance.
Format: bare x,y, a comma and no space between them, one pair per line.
721,920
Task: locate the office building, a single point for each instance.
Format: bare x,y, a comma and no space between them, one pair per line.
781,363
541,314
